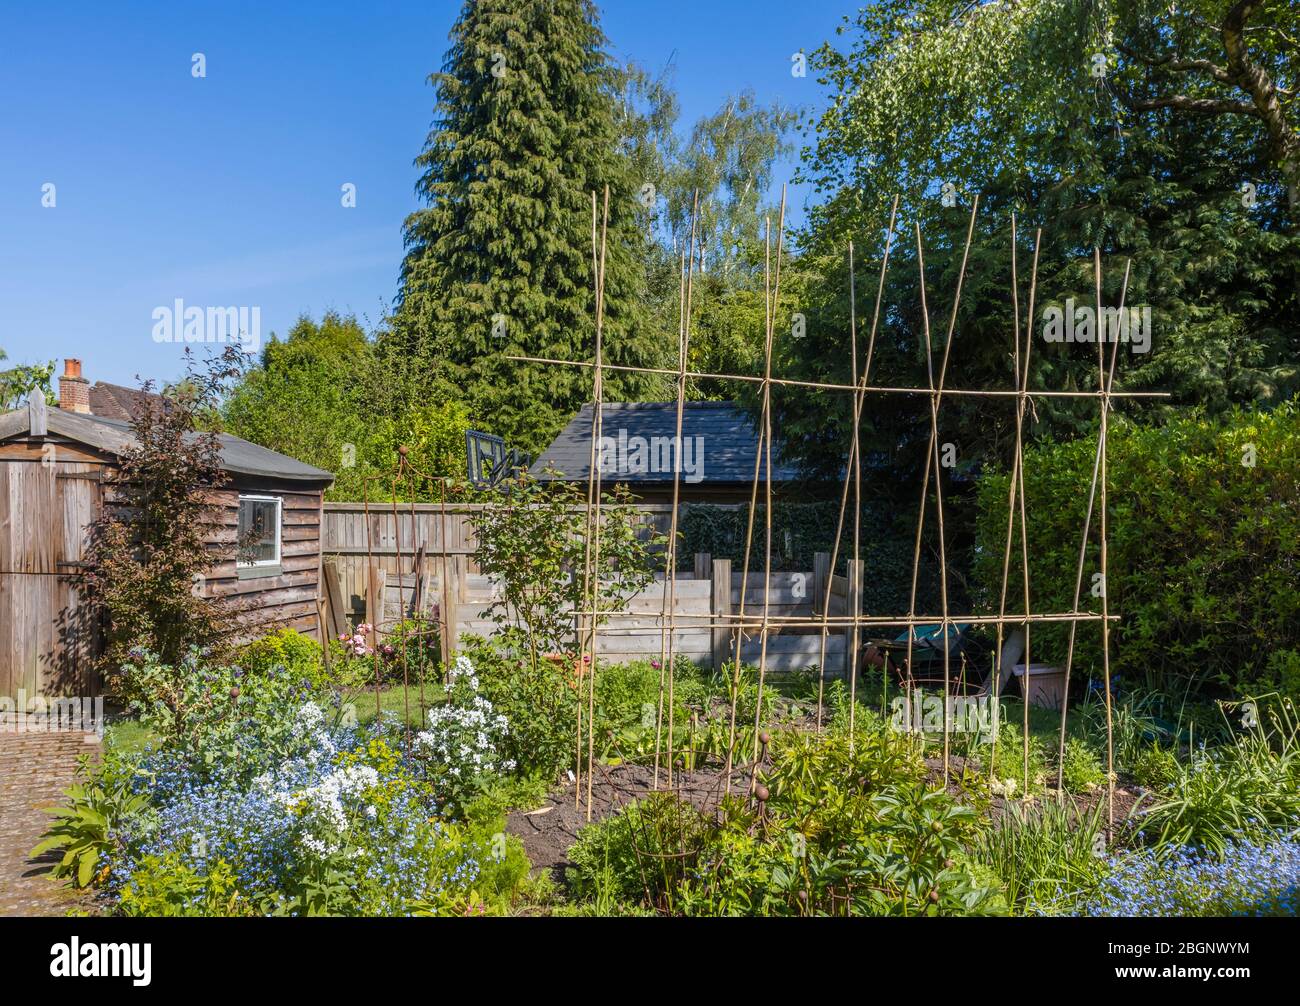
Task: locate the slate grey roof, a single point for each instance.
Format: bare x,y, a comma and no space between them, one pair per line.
114,436
726,444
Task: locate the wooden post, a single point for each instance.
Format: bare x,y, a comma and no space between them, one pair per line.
376,587
721,606
853,606
448,608
703,565
821,576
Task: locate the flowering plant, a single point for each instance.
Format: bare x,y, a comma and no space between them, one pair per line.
462,741
340,825
1247,878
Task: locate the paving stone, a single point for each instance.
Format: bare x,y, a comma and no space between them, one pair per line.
35,769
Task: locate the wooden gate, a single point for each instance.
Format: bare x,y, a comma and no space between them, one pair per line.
48,633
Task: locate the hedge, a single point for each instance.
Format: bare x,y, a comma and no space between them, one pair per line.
1203,555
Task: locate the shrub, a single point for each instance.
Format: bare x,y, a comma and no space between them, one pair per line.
641,853
87,829
1246,877
1204,536
298,654
155,536
1154,767
538,700
215,720
535,549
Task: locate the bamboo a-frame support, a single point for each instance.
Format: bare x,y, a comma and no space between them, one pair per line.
936,391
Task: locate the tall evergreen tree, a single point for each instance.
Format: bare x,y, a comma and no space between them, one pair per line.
500,261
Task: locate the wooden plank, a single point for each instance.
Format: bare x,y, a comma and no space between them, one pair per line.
334,597
720,605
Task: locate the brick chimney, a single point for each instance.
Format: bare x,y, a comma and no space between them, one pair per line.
74,390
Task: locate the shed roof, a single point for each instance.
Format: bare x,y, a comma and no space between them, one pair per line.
238,456
727,443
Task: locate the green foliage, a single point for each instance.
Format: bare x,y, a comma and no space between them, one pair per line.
999,100
298,654
539,699
85,828
1155,768
1009,760
1190,520
1081,769
1046,856
17,383
642,853
535,548
216,717
321,395
1248,789
844,829
169,886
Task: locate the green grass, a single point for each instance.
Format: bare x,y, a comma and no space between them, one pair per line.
403,705
126,735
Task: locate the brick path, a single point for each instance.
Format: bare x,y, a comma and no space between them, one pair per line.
35,769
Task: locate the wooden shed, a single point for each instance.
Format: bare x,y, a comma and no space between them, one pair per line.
53,462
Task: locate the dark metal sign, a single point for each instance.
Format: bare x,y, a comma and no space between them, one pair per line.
489,460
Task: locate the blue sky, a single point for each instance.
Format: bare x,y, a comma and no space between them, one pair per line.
226,190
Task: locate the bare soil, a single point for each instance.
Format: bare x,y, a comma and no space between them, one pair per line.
549,831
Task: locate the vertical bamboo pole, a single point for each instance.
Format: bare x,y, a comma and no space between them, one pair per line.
1083,549
578,627
859,396
666,643
596,528
1020,477
767,481
1105,587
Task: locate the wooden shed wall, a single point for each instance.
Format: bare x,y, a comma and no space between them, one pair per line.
51,490
288,598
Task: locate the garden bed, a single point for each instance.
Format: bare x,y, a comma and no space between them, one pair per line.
549,831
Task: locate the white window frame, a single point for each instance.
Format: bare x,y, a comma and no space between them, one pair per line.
279,527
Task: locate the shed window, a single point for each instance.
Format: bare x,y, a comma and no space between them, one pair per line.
259,530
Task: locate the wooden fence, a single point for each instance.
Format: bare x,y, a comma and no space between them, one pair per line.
421,558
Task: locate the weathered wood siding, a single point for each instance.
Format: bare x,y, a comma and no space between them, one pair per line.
288,598
51,491
49,635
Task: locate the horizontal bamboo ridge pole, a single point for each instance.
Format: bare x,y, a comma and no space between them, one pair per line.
701,620
824,386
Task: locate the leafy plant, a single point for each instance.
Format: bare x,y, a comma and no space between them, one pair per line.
170,886
1081,769
298,654
1247,789
534,543
85,830
1154,767
1045,856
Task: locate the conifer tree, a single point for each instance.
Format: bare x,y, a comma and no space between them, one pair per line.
500,262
